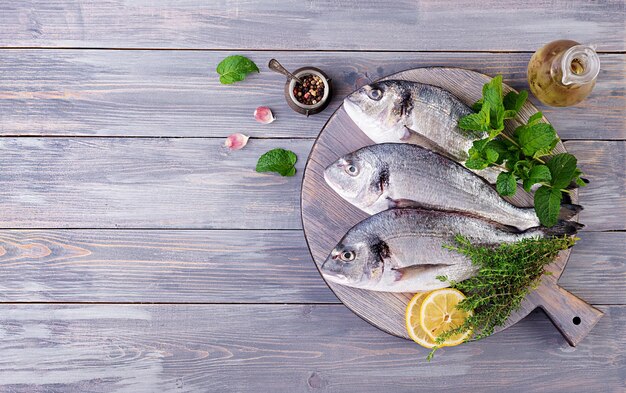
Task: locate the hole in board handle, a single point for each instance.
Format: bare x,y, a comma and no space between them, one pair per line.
576,320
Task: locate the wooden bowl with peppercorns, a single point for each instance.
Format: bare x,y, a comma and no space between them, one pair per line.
313,95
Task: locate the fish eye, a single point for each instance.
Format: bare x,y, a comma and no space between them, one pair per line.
375,94
351,170
347,256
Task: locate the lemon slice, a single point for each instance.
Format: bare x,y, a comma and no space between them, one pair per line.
413,325
439,314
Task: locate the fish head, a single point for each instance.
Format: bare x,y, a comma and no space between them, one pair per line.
381,110
359,177
354,263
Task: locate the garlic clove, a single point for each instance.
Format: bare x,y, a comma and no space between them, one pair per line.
236,141
264,115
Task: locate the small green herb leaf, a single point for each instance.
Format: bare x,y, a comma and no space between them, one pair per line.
537,174
534,119
477,121
547,205
477,106
540,174
278,160
515,101
536,137
235,68
509,114
562,169
492,92
500,147
497,121
491,155
476,162
506,184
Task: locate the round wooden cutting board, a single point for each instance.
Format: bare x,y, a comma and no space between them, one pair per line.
326,218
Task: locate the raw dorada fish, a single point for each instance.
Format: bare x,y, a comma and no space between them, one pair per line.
388,175
401,250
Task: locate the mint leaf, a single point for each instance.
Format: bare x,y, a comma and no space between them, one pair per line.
540,174
492,95
547,150
478,105
235,68
480,144
522,168
534,119
506,184
579,181
548,205
278,160
500,147
491,155
536,137
492,92
476,121
476,162
537,174
497,121
514,156
563,169
515,101
509,114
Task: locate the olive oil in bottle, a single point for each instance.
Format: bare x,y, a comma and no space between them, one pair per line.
563,73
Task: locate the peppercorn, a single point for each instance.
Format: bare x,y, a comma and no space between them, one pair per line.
310,91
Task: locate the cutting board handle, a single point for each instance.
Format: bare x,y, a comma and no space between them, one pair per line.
572,316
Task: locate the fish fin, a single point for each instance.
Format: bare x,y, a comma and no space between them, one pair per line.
562,228
573,185
569,210
401,272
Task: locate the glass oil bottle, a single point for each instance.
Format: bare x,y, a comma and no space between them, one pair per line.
563,72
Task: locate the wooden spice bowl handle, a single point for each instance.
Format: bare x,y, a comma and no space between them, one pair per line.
572,316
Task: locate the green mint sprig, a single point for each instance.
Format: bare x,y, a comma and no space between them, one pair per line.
235,68
280,161
526,156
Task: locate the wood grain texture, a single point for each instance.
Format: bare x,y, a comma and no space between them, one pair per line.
137,183
236,348
159,266
173,93
194,183
604,164
191,266
595,254
322,25
327,217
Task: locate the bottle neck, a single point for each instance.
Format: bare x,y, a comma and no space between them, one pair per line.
579,65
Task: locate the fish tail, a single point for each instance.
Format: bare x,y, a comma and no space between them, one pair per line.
569,210
562,228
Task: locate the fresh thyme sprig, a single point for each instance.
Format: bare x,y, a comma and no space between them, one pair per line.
507,274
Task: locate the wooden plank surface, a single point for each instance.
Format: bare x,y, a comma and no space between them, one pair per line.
323,25
174,93
161,266
183,266
69,159
298,348
194,183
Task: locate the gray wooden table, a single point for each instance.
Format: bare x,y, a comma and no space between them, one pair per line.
136,255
